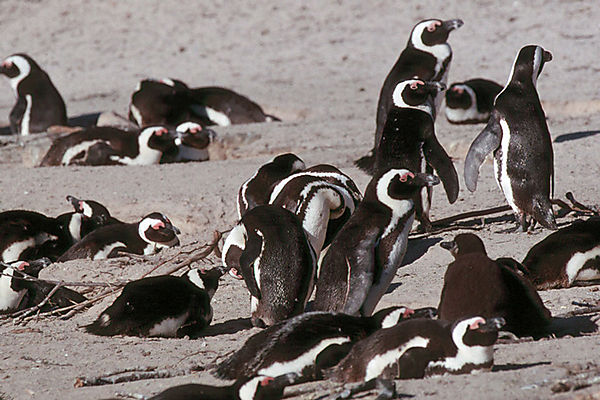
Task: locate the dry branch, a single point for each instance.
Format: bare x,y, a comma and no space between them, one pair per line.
134,374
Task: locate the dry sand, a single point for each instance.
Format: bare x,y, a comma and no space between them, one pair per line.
319,66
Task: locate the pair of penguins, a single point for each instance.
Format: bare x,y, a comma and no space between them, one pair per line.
516,133
39,105
87,232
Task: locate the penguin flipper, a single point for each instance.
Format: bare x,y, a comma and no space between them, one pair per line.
16,115
487,141
247,259
437,157
367,162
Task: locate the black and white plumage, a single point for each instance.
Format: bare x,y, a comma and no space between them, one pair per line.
518,136
307,343
364,256
254,388
567,257
191,143
13,289
421,347
88,216
269,250
258,188
474,284
322,197
39,104
148,236
427,57
168,306
472,101
408,141
102,145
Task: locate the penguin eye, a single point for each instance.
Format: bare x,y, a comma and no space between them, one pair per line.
433,26
266,381
475,324
415,85
404,177
158,225
21,266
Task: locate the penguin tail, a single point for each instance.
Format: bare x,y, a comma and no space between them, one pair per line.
542,213
228,369
104,326
271,118
367,162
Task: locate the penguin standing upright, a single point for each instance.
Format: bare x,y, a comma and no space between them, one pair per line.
269,249
471,102
474,284
364,256
39,105
169,306
517,134
427,57
408,141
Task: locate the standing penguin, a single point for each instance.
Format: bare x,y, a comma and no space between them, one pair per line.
567,257
364,256
471,102
517,134
474,284
427,57
169,306
258,188
39,105
408,141
307,343
421,347
270,251
148,236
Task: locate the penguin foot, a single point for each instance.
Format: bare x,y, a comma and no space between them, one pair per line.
386,389
367,163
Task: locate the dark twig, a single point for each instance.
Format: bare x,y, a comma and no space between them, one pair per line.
134,374
28,311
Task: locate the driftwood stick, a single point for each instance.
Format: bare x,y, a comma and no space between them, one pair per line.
28,311
581,311
67,283
133,374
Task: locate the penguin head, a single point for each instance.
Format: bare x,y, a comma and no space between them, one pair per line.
91,210
263,387
17,67
413,93
191,134
459,95
19,269
399,184
207,279
157,138
161,86
157,229
431,32
392,315
159,102
287,163
464,243
528,64
476,331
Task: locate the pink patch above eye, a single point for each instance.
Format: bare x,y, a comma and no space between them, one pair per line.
433,26
475,324
234,273
415,85
266,381
7,64
408,312
22,266
404,177
158,225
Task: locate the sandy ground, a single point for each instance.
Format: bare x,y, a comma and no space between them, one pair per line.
319,67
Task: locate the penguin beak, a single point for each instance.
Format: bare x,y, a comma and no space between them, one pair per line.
423,179
425,312
450,246
546,56
452,24
285,380
435,87
491,325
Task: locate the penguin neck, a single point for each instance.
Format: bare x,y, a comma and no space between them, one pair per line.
9,297
399,208
319,204
440,51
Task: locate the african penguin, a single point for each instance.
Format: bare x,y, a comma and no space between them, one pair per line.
168,306
471,102
39,105
110,146
191,142
89,215
474,284
13,289
255,388
159,102
269,250
567,257
148,236
321,205
421,347
364,256
307,343
517,134
257,189
408,141
426,57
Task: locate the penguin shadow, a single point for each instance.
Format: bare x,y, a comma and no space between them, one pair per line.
227,327
516,367
417,248
84,120
573,326
574,136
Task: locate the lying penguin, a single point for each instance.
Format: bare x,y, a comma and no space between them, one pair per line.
88,216
168,306
255,388
103,145
567,257
13,288
270,251
471,102
191,142
421,347
307,343
148,236
474,284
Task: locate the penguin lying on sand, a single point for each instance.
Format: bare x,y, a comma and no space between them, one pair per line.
474,284
307,343
421,347
517,134
148,236
567,257
13,289
39,105
471,102
191,142
169,306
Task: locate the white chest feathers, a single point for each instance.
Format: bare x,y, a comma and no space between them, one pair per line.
9,298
